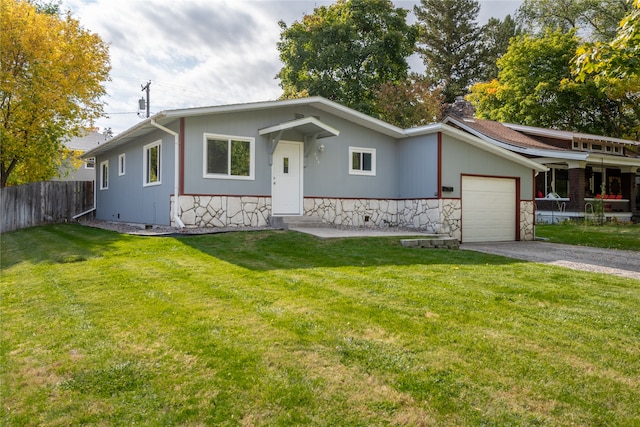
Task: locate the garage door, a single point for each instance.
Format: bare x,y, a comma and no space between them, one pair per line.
488,209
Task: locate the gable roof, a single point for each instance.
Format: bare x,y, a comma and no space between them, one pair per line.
478,143
86,142
515,138
568,135
165,117
499,134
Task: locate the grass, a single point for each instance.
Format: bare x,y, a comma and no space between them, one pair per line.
611,236
278,328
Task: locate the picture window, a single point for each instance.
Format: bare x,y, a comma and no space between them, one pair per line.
228,157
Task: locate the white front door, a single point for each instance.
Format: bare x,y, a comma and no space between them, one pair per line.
286,178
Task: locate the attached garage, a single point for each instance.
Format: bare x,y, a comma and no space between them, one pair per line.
489,209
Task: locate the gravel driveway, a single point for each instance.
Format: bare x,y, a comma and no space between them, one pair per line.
610,261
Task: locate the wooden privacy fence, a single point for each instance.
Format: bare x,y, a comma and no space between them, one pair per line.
44,203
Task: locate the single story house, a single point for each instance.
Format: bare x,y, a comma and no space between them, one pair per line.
242,165
583,168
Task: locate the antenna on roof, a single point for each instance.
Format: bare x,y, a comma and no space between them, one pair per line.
142,104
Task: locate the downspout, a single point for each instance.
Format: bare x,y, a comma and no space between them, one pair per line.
176,168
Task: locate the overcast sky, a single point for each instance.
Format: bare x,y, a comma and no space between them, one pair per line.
200,52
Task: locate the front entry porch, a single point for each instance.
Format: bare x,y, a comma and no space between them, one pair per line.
566,192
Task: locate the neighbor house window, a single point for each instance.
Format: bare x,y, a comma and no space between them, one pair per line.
104,175
362,161
557,182
229,157
121,164
152,161
90,163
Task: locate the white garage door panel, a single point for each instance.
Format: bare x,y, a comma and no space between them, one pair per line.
488,209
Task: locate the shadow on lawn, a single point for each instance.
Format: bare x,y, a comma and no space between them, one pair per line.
272,250
60,244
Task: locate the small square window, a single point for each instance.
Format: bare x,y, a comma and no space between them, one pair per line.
121,164
104,175
362,161
90,163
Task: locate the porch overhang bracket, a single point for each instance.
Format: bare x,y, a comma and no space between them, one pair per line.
309,143
310,127
274,139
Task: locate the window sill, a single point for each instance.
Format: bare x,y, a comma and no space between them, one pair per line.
552,199
606,200
232,177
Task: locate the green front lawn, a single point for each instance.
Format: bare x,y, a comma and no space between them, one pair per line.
278,328
611,236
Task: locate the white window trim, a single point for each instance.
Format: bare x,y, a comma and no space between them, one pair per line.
145,172
372,151
91,160
252,157
102,177
554,180
122,165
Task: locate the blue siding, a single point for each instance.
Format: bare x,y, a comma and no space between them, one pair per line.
326,175
418,167
461,158
405,169
127,200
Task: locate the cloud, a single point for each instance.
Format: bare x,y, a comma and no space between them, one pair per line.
196,52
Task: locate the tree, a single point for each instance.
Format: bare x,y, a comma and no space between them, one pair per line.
535,87
409,103
597,19
346,51
51,80
615,66
448,43
495,37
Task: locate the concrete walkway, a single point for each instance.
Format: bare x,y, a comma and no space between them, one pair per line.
609,261
337,233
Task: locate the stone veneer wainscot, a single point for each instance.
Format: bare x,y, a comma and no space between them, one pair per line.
441,216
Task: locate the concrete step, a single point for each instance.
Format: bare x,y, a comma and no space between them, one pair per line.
287,222
442,242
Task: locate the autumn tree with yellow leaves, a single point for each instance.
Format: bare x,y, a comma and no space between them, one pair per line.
52,75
